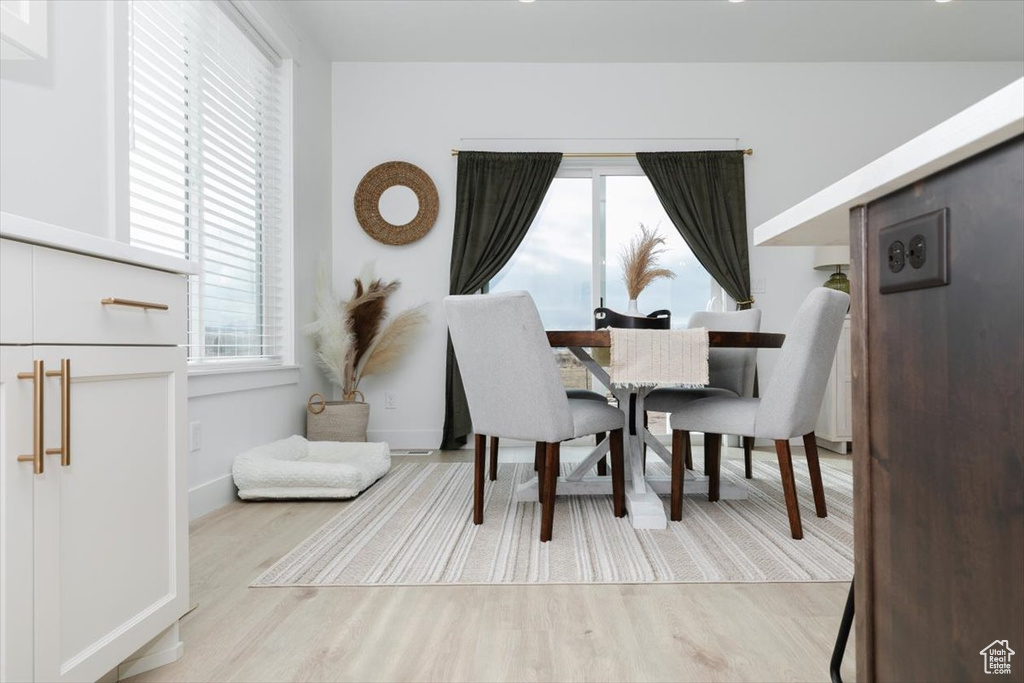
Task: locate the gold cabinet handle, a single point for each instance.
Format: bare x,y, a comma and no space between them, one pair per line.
36,458
114,301
65,412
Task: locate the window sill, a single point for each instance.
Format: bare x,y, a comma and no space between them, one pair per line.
213,381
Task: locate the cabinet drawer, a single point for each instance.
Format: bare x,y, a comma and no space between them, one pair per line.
70,290
15,293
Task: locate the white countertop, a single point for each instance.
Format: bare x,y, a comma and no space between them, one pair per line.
45,234
824,218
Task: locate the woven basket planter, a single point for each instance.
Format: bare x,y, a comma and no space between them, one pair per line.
336,420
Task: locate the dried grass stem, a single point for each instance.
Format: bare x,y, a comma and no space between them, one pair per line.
639,261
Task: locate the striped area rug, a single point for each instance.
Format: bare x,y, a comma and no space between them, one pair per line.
414,527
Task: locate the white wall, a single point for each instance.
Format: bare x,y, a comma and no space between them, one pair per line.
809,125
55,147
237,420
232,422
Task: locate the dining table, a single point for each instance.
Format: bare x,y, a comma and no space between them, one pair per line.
643,504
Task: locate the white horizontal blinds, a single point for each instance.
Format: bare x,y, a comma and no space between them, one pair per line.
162,178
240,291
204,171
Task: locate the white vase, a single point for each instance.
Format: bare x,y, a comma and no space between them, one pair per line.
631,309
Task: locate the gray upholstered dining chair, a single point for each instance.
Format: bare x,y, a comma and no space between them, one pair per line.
603,317
538,456
789,407
514,390
730,372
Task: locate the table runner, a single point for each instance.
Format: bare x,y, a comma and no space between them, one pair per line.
653,357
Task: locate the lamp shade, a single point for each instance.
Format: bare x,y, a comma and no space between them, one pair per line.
827,258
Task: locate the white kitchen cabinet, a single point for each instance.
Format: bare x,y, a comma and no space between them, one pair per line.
94,547
23,29
835,423
110,528
88,312
16,292
17,490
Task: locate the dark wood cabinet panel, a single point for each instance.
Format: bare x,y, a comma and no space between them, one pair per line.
939,427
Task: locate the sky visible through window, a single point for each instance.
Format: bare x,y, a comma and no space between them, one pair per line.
555,261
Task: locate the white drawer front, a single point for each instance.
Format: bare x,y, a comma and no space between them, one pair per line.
70,290
15,293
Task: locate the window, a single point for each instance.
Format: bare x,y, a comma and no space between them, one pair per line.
204,171
588,216
555,260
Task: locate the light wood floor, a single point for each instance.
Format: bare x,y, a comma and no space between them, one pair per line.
682,632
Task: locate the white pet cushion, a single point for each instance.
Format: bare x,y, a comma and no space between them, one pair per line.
296,468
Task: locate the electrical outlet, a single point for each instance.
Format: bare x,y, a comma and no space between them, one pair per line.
917,253
897,256
389,401
195,436
922,243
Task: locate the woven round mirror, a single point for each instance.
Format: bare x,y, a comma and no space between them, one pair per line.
368,202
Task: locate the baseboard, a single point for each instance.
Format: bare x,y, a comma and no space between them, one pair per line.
406,438
164,649
835,446
212,495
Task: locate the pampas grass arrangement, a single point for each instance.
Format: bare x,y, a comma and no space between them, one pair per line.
352,339
639,261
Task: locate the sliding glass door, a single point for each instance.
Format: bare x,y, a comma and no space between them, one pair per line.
569,260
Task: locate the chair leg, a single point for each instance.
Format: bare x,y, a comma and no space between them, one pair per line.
676,507
547,515
811,448
789,487
618,474
478,480
839,649
713,463
748,457
494,458
602,464
689,451
538,467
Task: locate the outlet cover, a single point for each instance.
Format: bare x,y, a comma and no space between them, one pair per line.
389,401
195,436
914,254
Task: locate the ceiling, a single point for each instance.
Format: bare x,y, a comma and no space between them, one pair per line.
665,30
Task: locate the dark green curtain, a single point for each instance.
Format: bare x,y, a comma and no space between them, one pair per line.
705,196
497,196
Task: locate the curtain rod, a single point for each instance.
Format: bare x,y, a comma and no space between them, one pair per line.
748,152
